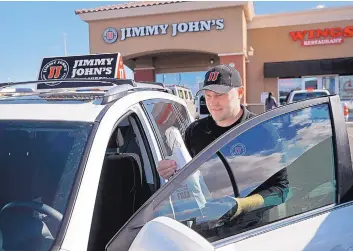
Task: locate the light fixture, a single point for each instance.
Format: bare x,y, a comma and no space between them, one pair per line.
251,51
211,61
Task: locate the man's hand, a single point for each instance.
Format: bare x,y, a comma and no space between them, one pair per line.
166,168
248,204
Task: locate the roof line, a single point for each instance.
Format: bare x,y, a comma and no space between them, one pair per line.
128,5
314,10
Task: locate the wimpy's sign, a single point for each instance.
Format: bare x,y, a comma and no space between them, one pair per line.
322,36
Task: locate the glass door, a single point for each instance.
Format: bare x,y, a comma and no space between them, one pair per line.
330,83
327,82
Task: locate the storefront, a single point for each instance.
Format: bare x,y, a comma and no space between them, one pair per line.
178,41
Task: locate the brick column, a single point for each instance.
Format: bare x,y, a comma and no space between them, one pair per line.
144,75
239,65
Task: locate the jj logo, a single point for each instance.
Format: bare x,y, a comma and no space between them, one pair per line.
213,76
54,71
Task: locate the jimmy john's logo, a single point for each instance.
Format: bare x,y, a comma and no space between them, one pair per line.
92,66
55,69
84,68
238,150
112,35
81,68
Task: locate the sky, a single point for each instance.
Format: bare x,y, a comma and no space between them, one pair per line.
33,30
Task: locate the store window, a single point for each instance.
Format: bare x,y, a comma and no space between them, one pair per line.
310,83
286,85
329,83
346,87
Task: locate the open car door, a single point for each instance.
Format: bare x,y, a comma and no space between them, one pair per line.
294,161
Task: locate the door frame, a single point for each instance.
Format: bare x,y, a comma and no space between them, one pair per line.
344,172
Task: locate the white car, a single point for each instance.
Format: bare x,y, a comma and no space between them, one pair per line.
201,107
185,94
78,172
299,95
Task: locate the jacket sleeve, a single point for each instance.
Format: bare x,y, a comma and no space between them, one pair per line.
275,189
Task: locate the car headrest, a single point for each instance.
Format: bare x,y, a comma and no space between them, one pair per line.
115,142
119,138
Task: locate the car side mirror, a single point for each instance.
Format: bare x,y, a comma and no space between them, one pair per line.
164,233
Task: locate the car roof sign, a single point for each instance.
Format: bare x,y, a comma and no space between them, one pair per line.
92,66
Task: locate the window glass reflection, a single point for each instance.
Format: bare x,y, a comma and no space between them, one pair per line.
286,85
346,87
288,160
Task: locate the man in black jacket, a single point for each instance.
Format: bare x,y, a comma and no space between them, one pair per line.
223,92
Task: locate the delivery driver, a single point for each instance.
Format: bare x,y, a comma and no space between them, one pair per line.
223,92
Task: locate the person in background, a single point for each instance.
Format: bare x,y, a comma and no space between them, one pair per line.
270,102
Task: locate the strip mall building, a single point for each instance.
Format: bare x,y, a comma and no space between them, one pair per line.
278,53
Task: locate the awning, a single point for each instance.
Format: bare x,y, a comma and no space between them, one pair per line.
292,69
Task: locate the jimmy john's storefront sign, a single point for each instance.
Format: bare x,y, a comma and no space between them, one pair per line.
325,36
111,35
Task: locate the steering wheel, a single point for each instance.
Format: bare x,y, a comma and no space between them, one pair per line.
38,206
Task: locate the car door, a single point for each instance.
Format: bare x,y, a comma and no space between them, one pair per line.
164,114
296,158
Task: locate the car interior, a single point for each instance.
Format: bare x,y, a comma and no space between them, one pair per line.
125,183
40,170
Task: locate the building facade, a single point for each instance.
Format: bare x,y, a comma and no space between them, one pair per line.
277,53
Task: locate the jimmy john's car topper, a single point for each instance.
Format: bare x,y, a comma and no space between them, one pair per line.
95,66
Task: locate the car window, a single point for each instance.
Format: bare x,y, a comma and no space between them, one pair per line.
288,161
307,95
134,141
181,94
190,95
166,114
186,94
39,163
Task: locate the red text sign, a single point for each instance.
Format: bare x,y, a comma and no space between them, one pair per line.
322,36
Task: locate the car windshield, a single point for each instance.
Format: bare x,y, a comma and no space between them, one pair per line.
39,163
308,95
